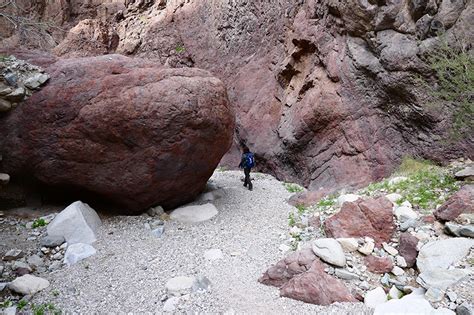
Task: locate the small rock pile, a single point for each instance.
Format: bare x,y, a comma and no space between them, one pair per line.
382,250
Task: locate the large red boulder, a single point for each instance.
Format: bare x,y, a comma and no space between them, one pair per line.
129,130
317,287
370,217
460,202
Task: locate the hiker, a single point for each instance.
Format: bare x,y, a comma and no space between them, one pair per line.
247,162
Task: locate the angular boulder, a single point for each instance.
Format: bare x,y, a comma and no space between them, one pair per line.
28,284
129,130
459,203
77,223
407,248
317,287
370,217
378,264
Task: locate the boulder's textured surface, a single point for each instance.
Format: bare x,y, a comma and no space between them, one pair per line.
408,248
28,284
378,264
317,287
194,214
330,251
77,252
326,92
459,203
370,217
131,131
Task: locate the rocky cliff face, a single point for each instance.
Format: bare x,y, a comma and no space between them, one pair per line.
326,92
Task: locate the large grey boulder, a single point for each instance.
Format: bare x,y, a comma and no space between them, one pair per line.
443,253
28,284
194,214
441,279
77,252
77,223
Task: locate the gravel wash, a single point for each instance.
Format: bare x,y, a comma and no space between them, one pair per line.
129,271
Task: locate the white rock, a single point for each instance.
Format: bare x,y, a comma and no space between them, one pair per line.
171,304
346,198
77,223
368,247
440,278
213,254
180,285
404,213
28,284
394,293
77,252
401,261
397,271
397,180
194,214
394,197
389,249
9,310
411,304
348,244
284,248
330,251
375,297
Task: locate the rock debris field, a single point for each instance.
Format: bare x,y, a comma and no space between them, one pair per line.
208,267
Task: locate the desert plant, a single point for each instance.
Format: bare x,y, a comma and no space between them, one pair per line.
38,223
293,188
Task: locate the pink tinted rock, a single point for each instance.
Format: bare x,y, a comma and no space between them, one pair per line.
370,217
407,248
378,264
460,202
317,287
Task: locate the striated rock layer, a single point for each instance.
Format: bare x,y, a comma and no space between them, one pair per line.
129,130
326,92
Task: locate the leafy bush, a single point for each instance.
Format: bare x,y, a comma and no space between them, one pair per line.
180,49
293,188
453,66
38,223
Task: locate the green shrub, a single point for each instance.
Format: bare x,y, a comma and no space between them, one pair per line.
180,49
453,66
293,188
38,223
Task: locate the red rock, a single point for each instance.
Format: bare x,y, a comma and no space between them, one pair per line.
294,264
315,221
128,130
370,217
317,287
428,219
378,264
407,248
307,198
460,202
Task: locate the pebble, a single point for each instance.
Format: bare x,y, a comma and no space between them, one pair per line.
367,248
397,271
389,249
401,262
171,304
346,275
180,285
213,254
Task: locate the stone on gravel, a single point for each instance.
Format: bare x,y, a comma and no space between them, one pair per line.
465,174
407,248
404,213
52,240
155,211
13,254
35,261
440,278
21,268
401,262
370,217
12,310
180,285
389,249
397,271
284,270
378,264
158,232
28,284
348,244
413,303
194,214
213,254
78,223
201,284
345,274
410,223
368,246
346,198
462,202
77,252
171,304
464,309
375,297
317,287
330,251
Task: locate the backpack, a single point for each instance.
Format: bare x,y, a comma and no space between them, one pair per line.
249,160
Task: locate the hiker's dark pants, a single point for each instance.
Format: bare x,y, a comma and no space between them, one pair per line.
247,180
